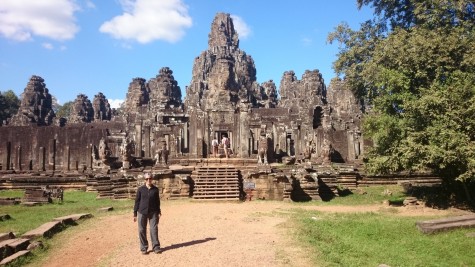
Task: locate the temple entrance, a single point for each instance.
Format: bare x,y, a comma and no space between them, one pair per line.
222,151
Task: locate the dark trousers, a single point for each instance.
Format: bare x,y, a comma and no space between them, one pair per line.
152,219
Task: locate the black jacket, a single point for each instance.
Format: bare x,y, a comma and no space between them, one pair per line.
147,200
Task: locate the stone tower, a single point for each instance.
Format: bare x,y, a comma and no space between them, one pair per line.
36,105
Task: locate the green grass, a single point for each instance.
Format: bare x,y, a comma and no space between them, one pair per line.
372,195
25,218
370,239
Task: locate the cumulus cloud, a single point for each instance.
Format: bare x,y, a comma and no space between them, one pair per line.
241,27
148,20
54,19
115,103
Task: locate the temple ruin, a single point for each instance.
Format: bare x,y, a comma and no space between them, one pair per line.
300,142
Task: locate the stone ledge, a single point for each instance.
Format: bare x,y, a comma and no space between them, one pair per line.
73,217
45,230
13,257
6,236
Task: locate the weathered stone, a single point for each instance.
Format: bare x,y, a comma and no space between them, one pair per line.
45,230
81,110
102,109
13,257
36,105
6,236
73,217
105,209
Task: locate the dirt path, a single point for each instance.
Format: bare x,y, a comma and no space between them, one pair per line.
196,234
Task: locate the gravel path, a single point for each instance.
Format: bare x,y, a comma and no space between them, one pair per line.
255,233
191,234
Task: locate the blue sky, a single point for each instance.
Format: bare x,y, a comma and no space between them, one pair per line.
92,46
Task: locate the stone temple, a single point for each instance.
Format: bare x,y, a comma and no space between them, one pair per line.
281,142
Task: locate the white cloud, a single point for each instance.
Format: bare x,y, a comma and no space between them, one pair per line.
54,19
148,20
241,27
48,46
90,4
115,103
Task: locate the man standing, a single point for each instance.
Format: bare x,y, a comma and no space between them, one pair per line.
215,145
147,209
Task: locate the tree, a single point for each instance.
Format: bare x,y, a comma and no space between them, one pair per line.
63,111
413,66
9,105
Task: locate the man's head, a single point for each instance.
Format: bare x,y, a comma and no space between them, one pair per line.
148,178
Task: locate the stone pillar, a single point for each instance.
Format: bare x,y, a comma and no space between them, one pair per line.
42,159
8,156
185,135
18,158
67,159
146,141
89,156
138,137
52,155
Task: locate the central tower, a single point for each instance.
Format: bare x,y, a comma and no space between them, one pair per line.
222,89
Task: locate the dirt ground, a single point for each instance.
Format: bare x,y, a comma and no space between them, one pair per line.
255,233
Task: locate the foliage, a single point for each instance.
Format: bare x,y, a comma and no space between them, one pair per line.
64,110
414,67
9,105
371,239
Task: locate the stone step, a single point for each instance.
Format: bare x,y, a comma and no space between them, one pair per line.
13,257
46,230
445,224
11,246
6,236
73,217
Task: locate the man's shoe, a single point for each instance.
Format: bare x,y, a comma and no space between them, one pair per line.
158,251
144,252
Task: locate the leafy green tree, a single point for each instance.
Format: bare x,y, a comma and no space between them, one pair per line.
63,111
413,66
9,105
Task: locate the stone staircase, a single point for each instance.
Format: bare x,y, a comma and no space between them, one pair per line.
216,183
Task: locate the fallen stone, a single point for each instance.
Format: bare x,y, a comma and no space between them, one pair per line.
73,217
445,224
35,244
5,236
10,246
106,209
4,217
45,230
13,257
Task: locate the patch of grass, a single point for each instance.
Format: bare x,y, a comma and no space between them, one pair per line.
24,218
364,196
370,239
11,193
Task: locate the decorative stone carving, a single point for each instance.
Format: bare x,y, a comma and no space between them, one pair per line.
36,105
137,96
164,90
223,75
262,149
81,110
102,108
126,150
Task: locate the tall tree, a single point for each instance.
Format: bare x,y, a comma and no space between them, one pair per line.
414,67
9,104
